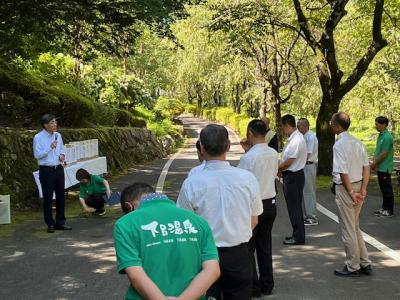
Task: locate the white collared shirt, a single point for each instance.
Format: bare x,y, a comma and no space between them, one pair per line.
227,197
349,157
197,169
295,148
312,146
42,148
262,161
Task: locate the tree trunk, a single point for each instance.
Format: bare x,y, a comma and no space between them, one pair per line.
199,100
278,122
263,109
326,138
190,97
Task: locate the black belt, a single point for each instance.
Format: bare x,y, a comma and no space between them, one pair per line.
309,163
351,182
269,199
49,167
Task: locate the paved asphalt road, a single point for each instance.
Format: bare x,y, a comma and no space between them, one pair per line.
80,264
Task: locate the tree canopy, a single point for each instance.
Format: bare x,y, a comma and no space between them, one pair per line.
259,57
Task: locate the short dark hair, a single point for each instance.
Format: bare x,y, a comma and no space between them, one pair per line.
382,120
215,139
133,192
46,119
198,145
257,127
289,120
342,119
82,174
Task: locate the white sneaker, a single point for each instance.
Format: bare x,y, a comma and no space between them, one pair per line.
310,222
378,212
386,213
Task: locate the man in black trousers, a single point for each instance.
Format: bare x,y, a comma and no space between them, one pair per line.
294,158
262,161
48,149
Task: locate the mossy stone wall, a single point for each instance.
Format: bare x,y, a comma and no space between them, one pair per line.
123,147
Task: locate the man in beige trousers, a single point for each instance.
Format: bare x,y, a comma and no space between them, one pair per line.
350,174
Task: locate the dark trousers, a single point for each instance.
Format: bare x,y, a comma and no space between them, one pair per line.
96,201
385,184
261,241
52,181
235,280
293,184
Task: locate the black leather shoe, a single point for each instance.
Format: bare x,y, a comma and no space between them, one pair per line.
50,229
256,294
62,227
266,292
346,273
366,270
288,237
292,241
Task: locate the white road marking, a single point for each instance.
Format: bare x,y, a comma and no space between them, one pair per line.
395,255
164,173
369,239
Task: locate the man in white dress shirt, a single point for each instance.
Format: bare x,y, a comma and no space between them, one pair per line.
200,167
310,173
262,161
351,173
229,199
48,149
294,158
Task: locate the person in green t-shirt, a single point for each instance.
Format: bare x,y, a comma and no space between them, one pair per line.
93,189
167,252
383,164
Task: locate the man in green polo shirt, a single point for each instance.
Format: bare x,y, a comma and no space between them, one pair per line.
167,252
383,164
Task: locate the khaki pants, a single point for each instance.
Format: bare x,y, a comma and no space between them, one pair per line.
310,192
354,245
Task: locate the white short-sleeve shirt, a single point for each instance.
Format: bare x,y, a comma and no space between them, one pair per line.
262,161
312,146
227,197
197,169
349,157
295,148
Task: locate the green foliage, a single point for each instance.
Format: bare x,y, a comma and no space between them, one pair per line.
169,108
55,66
191,108
163,128
26,96
227,116
223,115
159,127
126,119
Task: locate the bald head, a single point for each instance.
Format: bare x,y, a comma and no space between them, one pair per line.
342,120
266,120
303,125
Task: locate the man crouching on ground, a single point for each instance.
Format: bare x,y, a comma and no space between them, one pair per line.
167,252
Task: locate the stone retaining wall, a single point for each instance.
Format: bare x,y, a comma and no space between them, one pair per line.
123,147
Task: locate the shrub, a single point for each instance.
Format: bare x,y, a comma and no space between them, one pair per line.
169,108
223,114
207,113
244,121
227,116
126,119
191,109
104,115
74,109
163,128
